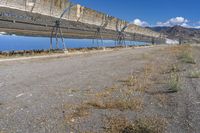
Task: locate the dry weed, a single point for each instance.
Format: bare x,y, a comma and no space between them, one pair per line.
119,124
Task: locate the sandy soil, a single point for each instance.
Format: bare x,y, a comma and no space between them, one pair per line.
86,93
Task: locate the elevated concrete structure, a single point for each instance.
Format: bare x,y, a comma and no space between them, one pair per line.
37,18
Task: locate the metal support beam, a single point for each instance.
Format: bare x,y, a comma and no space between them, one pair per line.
121,35
98,34
57,29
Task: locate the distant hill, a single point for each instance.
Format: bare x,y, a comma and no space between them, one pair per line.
191,35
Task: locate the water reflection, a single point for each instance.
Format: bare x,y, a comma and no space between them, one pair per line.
12,42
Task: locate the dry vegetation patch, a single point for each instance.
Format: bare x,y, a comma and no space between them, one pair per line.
142,81
187,57
81,111
125,103
184,53
76,112
106,92
155,80
194,74
119,124
174,82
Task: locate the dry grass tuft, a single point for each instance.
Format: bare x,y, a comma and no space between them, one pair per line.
125,103
142,81
116,98
172,69
186,57
174,82
176,50
184,53
115,124
131,81
77,112
194,74
97,104
119,124
81,111
106,92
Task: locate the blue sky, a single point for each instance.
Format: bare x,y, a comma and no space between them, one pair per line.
150,12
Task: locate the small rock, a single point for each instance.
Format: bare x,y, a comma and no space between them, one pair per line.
72,120
19,95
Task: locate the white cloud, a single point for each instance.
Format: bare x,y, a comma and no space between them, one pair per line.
174,21
181,21
186,25
197,27
2,33
178,20
140,23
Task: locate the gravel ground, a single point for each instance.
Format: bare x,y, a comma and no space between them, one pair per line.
34,92
186,112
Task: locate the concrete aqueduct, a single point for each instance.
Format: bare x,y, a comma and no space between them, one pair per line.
38,18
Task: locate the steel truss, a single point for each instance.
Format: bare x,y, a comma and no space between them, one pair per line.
153,41
98,33
121,35
57,31
120,39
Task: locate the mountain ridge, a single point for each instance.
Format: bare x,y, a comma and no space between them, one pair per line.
187,35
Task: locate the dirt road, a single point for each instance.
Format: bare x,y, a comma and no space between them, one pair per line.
37,95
